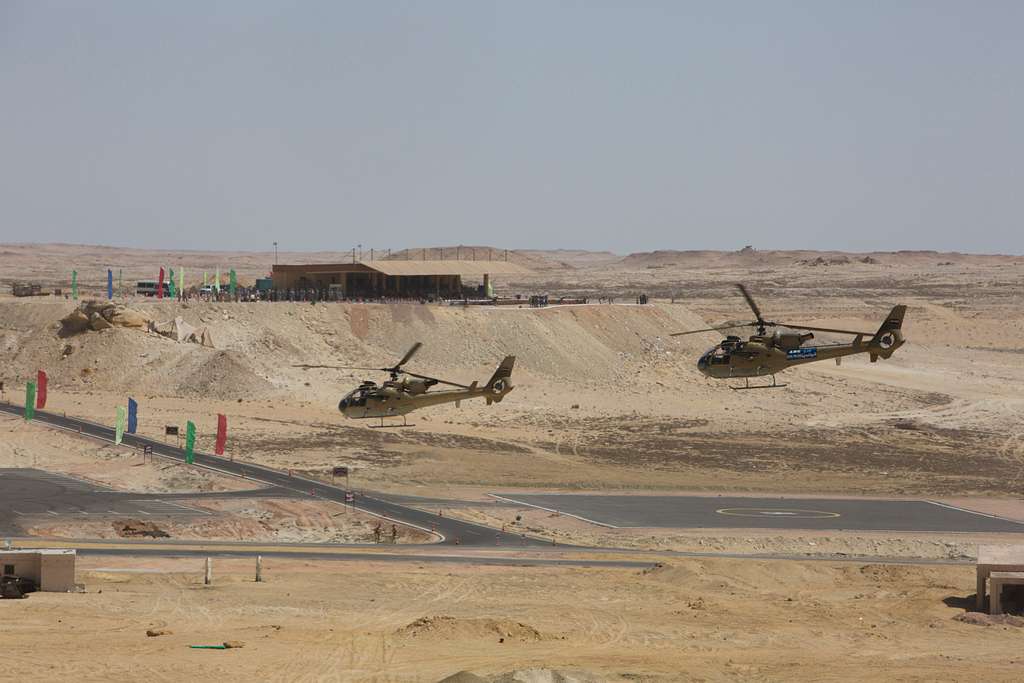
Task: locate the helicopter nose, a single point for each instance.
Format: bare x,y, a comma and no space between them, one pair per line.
343,404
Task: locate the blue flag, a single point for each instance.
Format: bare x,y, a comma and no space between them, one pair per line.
110,283
133,415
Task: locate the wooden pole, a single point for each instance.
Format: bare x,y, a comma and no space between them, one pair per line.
259,568
208,578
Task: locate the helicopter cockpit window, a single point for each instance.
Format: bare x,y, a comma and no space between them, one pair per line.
355,398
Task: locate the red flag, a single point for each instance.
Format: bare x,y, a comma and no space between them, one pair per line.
160,285
222,434
40,390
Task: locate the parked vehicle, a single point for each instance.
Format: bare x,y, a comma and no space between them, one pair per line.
16,586
149,287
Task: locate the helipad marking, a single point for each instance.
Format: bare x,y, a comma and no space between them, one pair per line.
792,513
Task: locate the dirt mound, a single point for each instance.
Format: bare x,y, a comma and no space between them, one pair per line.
819,261
458,628
260,345
887,573
980,619
223,375
541,675
134,528
463,677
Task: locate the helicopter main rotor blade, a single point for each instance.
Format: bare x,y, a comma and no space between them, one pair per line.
712,329
435,379
751,303
824,329
305,366
409,354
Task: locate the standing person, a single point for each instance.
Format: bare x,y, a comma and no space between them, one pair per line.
376,533
394,534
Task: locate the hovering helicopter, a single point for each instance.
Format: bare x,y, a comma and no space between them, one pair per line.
764,354
408,391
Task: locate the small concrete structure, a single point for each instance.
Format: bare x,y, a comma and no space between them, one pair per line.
1001,559
52,569
996,581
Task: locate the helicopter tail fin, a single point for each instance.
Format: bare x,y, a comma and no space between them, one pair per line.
890,335
500,382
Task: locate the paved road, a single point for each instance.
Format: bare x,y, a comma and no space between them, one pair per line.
506,560
452,531
766,513
27,492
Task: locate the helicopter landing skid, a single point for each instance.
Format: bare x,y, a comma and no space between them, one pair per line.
746,387
384,426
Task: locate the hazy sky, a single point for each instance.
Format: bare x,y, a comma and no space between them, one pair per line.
626,126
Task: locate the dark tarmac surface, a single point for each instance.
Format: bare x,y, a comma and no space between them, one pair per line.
451,531
717,512
27,492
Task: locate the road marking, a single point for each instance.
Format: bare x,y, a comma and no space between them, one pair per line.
52,512
974,512
560,512
772,512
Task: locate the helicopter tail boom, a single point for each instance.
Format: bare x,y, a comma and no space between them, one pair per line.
890,335
499,384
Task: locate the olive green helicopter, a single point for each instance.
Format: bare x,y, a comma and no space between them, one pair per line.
766,354
407,391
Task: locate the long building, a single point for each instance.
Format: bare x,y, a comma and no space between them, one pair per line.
399,279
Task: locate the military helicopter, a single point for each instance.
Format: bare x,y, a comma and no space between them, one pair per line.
407,391
763,354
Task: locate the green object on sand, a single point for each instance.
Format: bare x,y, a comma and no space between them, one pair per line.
209,647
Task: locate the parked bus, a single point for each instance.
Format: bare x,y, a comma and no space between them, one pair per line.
148,288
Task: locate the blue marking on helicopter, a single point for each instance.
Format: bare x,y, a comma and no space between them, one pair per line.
794,354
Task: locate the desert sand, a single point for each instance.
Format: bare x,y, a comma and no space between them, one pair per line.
604,401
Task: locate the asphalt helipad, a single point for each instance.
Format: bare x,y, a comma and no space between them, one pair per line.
700,512
29,492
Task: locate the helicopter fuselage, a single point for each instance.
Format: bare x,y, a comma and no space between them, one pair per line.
768,355
764,354
371,401
756,358
411,392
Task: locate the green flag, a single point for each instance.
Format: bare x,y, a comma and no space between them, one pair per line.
206,282
190,442
30,401
181,280
233,282
216,282
170,283
74,285
119,428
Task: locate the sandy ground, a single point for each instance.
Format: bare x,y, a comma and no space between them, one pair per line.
695,620
287,520
604,400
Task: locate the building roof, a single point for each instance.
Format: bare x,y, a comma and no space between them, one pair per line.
40,551
413,267
446,267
